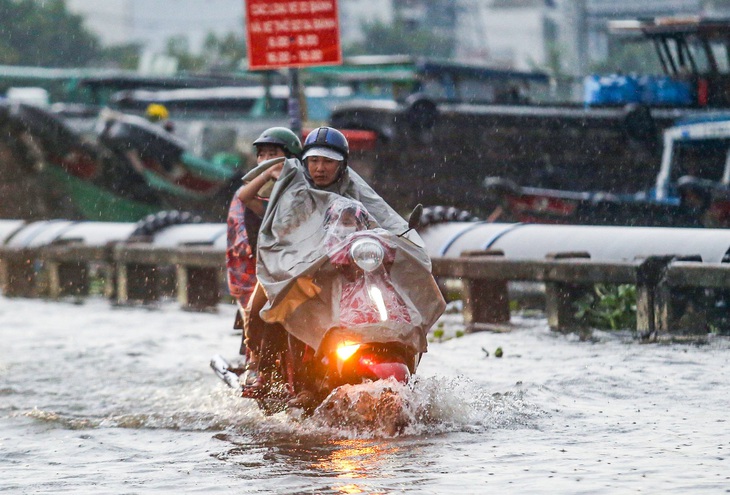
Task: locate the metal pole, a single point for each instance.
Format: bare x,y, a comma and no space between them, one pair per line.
295,110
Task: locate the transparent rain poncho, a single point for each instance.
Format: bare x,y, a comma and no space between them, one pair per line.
353,239
305,268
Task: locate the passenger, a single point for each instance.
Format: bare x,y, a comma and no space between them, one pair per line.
244,219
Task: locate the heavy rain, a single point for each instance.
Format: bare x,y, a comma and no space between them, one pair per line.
345,246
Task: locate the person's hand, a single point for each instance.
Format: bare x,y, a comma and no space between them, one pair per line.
275,171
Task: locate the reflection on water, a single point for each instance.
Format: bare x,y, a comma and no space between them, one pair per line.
344,466
355,459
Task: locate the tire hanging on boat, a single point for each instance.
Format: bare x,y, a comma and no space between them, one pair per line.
441,214
151,224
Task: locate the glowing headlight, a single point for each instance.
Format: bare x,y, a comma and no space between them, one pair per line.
367,254
345,351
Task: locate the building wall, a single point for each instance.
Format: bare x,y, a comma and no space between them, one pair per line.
599,12
632,8
514,37
519,33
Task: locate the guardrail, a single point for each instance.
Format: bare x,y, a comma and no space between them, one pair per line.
568,276
134,272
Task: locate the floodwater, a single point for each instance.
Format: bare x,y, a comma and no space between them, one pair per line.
98,399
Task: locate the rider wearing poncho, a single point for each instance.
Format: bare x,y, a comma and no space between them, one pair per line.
293,267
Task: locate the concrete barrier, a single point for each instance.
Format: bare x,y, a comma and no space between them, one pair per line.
567,276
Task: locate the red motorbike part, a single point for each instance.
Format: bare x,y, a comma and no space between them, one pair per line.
373,367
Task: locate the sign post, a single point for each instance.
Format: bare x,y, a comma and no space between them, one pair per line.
292,34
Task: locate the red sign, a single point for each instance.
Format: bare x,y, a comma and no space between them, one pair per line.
292,33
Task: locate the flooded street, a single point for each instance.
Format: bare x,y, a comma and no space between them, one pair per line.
97,399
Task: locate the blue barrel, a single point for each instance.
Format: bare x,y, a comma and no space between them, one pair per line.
611,90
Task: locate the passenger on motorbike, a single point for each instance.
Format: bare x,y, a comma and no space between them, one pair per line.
244,219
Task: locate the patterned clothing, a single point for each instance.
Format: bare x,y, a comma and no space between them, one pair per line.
240,258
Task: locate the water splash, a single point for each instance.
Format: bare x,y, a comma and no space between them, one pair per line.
425,406
381,409
184,408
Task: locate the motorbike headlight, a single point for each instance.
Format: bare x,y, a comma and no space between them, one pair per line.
345,351
367,254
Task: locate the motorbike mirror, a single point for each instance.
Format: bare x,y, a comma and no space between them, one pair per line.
414,220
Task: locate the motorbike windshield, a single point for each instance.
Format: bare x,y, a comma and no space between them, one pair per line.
314,287
344,217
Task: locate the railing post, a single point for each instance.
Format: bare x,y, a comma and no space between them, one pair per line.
669,315
137,282
653,298
17,273
136,276
198,288
486,302
560,297
67,279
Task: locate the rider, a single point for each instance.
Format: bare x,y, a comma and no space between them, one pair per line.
325,157
244,219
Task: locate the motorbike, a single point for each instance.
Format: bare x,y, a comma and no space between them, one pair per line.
359,313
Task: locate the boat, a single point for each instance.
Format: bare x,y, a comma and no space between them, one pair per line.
692,188
125,167
430,130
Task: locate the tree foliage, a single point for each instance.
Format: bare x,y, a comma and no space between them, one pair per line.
223,52
179,47
44,33
400,37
